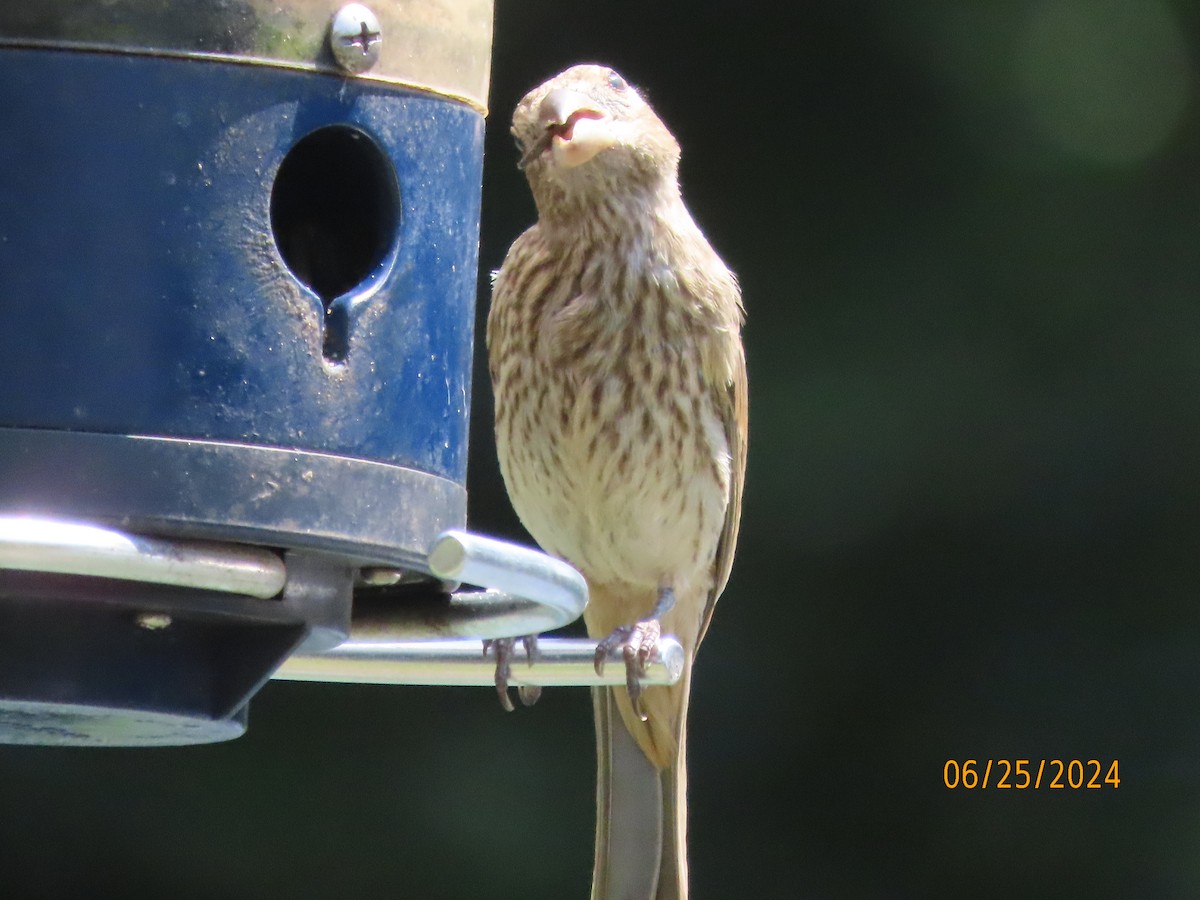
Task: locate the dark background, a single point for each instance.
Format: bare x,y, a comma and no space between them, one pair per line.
967,238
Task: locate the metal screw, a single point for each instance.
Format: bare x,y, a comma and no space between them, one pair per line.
153,621
355,38
378,576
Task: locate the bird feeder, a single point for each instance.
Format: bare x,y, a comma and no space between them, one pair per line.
238,248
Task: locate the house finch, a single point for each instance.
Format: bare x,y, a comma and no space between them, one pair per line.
620,381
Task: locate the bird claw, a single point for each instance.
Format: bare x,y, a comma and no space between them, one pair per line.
503,647
639,644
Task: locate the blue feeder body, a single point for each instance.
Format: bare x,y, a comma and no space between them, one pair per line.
169,368
239,285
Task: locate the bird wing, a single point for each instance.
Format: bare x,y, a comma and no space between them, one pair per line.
733,402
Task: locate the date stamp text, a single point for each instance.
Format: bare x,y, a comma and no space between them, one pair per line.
1035,774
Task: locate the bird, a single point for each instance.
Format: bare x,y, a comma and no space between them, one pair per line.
620,387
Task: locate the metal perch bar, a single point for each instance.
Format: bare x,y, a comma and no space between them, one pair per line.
530,593
416,641
543,593
48,545
560,662
527,592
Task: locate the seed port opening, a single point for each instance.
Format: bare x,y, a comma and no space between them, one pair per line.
334,217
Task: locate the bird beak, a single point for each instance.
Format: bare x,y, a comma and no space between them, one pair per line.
573,130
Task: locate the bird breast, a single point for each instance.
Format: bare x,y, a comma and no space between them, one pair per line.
610,442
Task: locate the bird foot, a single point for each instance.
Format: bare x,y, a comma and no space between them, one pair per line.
503,648
639,644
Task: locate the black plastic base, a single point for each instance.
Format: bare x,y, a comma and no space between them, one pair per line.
78,725
97,662
354,508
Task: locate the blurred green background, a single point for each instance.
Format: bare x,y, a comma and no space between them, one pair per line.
967,237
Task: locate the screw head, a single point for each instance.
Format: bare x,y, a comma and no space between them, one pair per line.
153,621
355,38
379,576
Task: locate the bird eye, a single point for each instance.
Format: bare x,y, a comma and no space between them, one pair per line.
616,82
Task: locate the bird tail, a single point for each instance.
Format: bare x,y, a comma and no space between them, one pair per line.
641,810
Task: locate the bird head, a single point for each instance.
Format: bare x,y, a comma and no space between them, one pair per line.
588,124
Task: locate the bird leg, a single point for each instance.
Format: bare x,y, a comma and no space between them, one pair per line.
503,647
639,644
